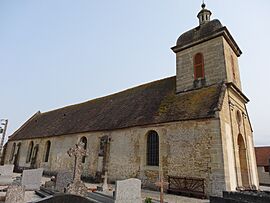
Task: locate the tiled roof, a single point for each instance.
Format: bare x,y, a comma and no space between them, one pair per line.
151,103
200,32
262,156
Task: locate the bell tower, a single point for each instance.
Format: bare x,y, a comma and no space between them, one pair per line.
206,55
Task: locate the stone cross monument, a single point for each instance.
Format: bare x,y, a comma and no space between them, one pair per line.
161,185
77,187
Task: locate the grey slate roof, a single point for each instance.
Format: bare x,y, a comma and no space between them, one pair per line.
151,103
200,32
205,32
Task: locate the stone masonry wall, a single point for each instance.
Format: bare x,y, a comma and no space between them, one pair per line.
187,149
214,64
230,130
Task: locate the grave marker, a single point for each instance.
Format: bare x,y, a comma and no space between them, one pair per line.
128,191
77,187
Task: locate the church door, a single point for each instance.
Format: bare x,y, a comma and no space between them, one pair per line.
243,161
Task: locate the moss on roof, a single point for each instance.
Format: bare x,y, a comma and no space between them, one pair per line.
151,103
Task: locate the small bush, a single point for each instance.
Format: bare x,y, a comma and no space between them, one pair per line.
148,200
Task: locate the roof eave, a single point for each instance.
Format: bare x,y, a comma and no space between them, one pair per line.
212,116
238,91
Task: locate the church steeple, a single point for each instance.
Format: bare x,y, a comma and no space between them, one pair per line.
204,15
206,55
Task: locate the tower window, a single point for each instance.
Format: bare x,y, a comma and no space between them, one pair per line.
198,66
47,151
152,149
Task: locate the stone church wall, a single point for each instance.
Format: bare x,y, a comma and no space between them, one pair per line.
187,149
230,130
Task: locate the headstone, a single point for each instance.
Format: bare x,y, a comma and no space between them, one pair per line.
64,198
15,194
77,187
63,178
6,172
128,191
105,182
31,179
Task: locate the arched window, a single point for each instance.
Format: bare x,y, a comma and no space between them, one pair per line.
152,148
84,141
12,152
47,151
198,66
29,152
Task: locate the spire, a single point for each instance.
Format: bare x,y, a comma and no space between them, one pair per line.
204,14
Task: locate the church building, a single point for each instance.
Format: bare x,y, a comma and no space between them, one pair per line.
193,125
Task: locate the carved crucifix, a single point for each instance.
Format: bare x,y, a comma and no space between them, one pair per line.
161,185
78,152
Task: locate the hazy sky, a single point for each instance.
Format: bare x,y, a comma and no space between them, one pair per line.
55,53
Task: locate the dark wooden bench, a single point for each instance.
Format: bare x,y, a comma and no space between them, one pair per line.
187,186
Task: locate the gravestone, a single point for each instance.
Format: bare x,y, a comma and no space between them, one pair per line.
77,187
31,179
105,186
15,194
65,198
63,178
6,172
128,191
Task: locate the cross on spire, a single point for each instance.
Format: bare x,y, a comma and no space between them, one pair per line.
203,4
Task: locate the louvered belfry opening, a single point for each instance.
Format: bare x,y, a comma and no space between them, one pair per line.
198,66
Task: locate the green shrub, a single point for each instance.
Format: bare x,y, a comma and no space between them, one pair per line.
148,200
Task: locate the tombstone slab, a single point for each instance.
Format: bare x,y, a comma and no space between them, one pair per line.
15,194
31,179
77,188
6,172
63,179
128,191
66,198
